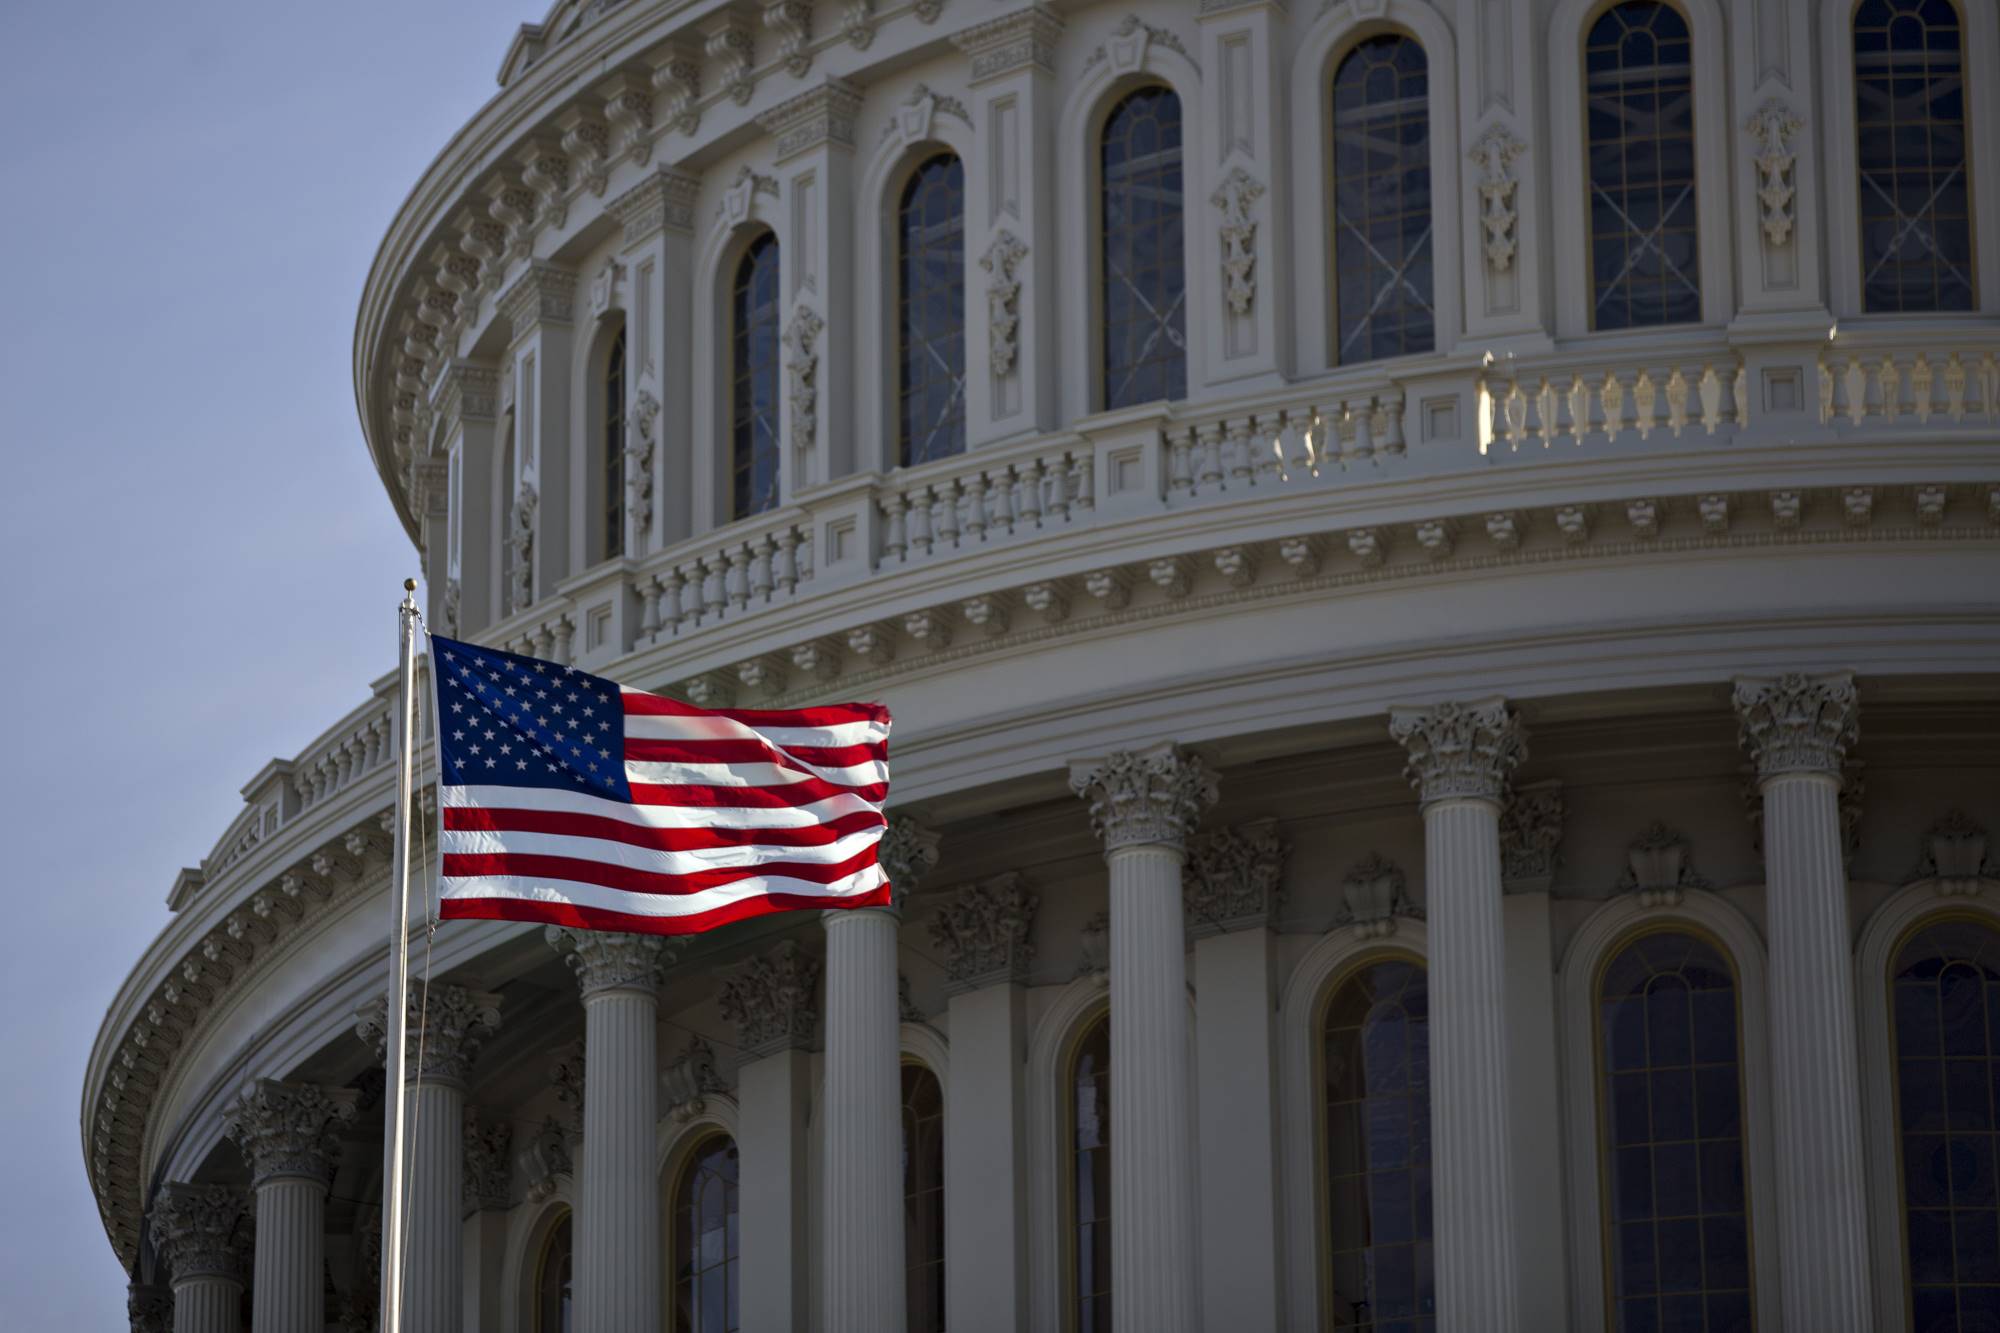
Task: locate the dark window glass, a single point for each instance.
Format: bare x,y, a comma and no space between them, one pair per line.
923,1199
614,449
704,1241
1945,1007
930,300
552,1281
1678,1222
1382,201
1916,193
754,378
1377,1147
1639,85
1145,280
1090,1177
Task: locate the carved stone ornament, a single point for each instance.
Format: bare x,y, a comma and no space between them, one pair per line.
802,372
1774,125
604,286
566,1075
546,1161
609,960
1233,878
907,852
824,114
1373,898
912,121
1095,941
1797,723
773,1000
1531,829
791,22
1003,297
1237,197
1495,153
985,933
728,43
1126,49
149,1309
200,1231
906,1005
1021,39
486,1169
453,597
291,1129
521,547
689,1080
1142,797
1954,856
1460,750
1659,867
446,1026
639,460
737,198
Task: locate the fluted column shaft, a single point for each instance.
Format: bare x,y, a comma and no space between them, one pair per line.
618,1223
433,1283
863,1265
288,1290
198,1233
208,1303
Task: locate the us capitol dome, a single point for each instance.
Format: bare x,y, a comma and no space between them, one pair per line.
1437,569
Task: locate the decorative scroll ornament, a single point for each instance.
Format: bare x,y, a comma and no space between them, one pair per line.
791,22
607,960
546,1161
521,542
1659,867
1146,797
1797,723
1236,197
483,1182
985,933
736,200
1531,829
1373,899
452,597
1954,856
604,286
1774,125
1003,295
199,1231
802,369
446,1023
639,460
689,1080
1495,152
291,1129
566,1074
773,1000
857,23
1126,50
729,44
1460,749
677,78
1095,939
907,852
1232,878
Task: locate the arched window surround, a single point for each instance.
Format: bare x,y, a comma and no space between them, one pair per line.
676,1143
1981,29
724,247
1326,43
1714,122
528,1232
1713,919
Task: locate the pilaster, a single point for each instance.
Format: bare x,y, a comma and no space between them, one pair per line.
657,217
468,397
538,309
1243,221
1504,133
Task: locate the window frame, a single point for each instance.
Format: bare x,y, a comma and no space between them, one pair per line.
912,161
736,259
687,1156
1065,1164
913,1061
564,1218
1098,238
612,348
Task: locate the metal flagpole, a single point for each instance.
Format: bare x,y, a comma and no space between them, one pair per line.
399,953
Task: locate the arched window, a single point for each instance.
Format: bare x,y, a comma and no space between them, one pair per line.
1088,1092
702,1241
1382,201
1916,189
753,337
1945,1007
552,1281
1639,90
923,1198
1144,274
1670,1079
930,310
1377,1145
613,463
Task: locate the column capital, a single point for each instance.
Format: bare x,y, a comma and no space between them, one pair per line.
542,294
1232,878
198,1230
824,114
487,1164
1798,723
1142,797
447,1024
608,960
985,933
1023,39
773,1000
150,1309
907,853
1460,750
291,1129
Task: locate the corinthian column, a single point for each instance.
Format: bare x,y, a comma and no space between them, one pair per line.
1460,757
290,1134
618,1213
1143,805
198,1230
446,1027
864,1160
1798,728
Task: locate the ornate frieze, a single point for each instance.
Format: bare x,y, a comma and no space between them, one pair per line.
483,1183
1233,878
291,1129
1495,153
1460,750
907,853
1797,723
1531,830
467,391
1374,897
201,1230
1003,296
821,115
1773,126
688,1081
447,1024
985,933
1659,867
664,199
773,1000
1237,197
1142,797
606,960
542,294
1953,856
1023,39
802,373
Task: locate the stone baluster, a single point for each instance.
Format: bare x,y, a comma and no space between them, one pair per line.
618,1215
1143,805
290,1134
1799,728
199,1231
1460,756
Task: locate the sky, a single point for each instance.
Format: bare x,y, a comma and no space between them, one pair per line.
201,567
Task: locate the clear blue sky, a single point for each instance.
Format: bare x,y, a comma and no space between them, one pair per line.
200,568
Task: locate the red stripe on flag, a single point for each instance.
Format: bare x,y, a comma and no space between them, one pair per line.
827,715
655,839
532,865
751,752
593,918
806,791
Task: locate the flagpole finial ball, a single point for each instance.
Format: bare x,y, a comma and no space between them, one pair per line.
409,585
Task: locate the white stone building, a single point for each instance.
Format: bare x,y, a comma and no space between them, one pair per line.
1493,504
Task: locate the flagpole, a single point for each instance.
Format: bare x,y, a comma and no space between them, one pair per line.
399,954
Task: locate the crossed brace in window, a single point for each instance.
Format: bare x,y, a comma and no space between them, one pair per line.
1913,224
1163,326
1649,240
923,452
1398,276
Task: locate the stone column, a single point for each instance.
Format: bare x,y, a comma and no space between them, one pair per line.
290,1134
1143,805
1798,728
198,1230
1460,757
445,1031
488,1169
618,1213
863,1264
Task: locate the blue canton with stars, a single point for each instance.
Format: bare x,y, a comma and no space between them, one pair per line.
513,721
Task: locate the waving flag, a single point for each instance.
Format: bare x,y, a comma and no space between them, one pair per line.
567,798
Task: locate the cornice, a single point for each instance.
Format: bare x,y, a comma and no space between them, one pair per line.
821,115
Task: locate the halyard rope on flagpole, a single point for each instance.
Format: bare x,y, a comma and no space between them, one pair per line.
430,935
393,1239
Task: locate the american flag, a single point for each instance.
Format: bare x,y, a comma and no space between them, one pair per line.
569,799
